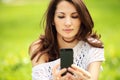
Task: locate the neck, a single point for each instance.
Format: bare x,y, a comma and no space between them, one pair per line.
63,44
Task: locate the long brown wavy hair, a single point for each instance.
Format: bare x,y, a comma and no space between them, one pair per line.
47,43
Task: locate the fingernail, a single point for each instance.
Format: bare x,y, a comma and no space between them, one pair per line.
65,69
73,65
68,68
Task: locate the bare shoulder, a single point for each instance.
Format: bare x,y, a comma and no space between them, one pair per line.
35,54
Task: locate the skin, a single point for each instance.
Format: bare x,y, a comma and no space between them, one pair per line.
67,22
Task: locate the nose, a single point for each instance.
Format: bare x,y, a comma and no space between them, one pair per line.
68,22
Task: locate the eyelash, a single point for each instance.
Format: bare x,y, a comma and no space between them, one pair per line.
74,17
61,17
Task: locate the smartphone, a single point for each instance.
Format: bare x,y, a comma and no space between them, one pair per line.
66,55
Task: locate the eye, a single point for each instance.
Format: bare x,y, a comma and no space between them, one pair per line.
76,16
61,17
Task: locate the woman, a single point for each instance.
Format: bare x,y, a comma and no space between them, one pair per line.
68,25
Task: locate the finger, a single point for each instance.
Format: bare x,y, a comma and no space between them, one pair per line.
54,69
77,74
84,72
67,77
78,68
62,71
54,72
81,76
70,76
57,74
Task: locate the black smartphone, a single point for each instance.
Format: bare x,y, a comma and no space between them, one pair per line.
66,55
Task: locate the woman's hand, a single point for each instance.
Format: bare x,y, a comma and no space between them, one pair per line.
57,75
79,73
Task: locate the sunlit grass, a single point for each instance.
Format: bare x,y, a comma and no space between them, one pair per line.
19,26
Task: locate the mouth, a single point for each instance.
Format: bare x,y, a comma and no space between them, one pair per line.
67,30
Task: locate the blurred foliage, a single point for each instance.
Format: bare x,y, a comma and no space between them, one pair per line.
20,26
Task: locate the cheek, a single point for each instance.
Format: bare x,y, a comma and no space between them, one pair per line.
77,24
58,28
58,24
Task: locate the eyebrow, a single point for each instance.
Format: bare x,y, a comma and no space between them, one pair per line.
64,13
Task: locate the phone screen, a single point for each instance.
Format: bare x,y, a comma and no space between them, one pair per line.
66,55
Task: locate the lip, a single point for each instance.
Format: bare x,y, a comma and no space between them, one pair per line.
67,30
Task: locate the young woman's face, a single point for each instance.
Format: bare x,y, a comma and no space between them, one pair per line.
66,20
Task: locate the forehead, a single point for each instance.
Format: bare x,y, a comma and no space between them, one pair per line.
65,6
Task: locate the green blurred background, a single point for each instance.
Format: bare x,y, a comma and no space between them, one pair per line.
20,26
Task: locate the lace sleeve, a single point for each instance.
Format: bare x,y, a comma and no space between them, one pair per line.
44,71
41,73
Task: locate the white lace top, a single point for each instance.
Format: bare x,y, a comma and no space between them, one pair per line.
84,54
